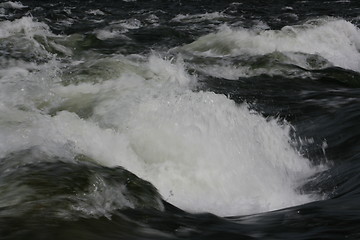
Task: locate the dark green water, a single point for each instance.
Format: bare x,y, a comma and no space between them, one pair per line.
179,120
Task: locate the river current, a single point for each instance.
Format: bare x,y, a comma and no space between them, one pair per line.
179,119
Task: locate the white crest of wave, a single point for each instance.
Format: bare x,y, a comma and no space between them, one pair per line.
117,29
104,34
168,72
194,18
201,150
336,40
216,156
95,12
25,25
13,5
22,33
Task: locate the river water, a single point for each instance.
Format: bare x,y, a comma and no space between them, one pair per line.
179,119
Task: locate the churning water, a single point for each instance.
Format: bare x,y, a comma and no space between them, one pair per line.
171,120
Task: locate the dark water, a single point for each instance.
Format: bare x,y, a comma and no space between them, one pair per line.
179,119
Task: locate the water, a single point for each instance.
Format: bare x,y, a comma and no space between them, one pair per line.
179,120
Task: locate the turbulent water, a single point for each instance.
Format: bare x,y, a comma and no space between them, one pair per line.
179,119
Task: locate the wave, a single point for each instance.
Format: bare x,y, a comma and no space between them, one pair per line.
12,5
203,152
196,18
106,133
313,45
69,188
192,146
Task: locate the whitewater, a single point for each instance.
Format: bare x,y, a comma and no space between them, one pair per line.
174,124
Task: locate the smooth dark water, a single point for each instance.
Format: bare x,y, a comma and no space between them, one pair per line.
179,119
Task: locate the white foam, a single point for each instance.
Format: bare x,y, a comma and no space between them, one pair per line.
24,25
199,17
286,8
131,23
32,39
117,29
66,22
95,12
13,5
201,150
25,86
153,19
336,40
104,34
216,156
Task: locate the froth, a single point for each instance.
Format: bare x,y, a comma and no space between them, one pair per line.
216,156
200,17
118,28
336,40
13,5
201,150
24,25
